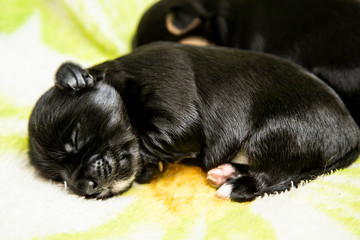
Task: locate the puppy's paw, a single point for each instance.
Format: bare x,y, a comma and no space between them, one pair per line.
72,76
241,188
224,191
218,176
150,172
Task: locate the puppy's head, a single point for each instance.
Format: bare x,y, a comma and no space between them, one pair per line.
80,134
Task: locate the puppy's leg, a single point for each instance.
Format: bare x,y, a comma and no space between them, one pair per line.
247,187
74,77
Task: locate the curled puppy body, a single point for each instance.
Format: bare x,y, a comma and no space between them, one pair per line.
102,128
323,36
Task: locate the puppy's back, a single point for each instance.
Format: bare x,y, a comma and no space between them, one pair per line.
270,96
242,96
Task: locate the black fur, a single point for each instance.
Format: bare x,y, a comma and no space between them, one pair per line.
167,102
323,35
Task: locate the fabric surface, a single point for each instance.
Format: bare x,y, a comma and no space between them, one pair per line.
36,36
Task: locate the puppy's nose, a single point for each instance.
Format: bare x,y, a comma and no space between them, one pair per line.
88,187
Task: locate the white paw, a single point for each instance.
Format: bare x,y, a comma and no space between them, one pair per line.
224,191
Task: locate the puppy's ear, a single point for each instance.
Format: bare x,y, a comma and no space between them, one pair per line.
181,20
73,77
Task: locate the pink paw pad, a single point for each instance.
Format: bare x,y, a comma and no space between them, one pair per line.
218,176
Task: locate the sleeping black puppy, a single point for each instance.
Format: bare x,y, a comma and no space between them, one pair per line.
266,122
323,35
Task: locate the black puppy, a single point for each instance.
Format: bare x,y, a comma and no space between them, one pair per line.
323,35
103,128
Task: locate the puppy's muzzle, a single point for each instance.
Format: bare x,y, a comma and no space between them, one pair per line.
87,187
90,179
100,168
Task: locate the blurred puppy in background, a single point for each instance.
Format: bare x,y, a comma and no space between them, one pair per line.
323,36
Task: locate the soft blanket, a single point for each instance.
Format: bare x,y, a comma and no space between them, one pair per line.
35,37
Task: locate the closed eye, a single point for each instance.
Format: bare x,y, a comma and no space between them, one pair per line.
78,141
73,145
74,139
